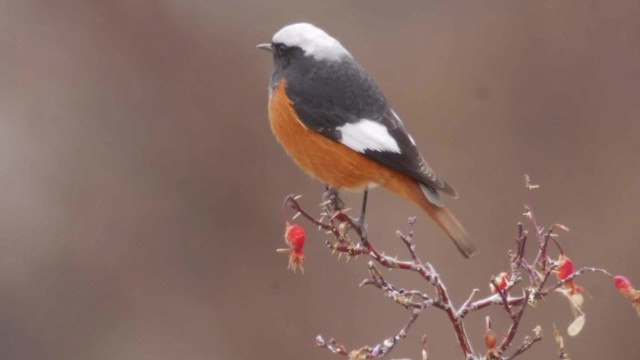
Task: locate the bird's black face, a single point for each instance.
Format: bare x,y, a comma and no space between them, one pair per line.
279,49
285,58
282,54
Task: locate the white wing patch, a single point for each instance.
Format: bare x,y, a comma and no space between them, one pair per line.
314,41
368,135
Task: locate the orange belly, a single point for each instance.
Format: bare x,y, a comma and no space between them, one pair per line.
326,160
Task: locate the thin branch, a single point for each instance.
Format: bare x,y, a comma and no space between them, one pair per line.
386,346
503,297
527,343
572,277
515,321
465,307
335,222
331,345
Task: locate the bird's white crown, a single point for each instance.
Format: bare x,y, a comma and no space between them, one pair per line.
312,40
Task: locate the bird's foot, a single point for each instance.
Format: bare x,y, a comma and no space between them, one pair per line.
332,200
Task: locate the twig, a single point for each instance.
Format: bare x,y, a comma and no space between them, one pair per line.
503,297
338,224
515,321
527,343
572,277
331,345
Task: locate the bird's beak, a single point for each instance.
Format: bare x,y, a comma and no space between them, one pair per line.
264,46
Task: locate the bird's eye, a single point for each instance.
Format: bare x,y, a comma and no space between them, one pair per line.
280,48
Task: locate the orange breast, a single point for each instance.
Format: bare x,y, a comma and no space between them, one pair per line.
326,160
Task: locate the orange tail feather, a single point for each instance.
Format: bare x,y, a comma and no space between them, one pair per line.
409,189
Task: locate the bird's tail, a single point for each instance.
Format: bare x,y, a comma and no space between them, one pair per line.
430,203
452,227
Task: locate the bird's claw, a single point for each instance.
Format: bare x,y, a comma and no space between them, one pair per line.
332,198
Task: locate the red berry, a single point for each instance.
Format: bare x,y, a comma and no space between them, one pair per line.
622,283
502,280
295,236
565,268
490,339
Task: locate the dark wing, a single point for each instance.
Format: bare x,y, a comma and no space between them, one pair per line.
409,160
341,102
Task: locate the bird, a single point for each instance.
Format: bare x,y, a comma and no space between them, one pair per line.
335,123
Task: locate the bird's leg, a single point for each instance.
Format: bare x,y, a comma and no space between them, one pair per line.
332,198
334,204
360,220
364,206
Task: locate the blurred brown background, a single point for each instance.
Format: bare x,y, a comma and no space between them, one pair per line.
141,187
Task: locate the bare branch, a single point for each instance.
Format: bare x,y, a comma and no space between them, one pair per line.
335,222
